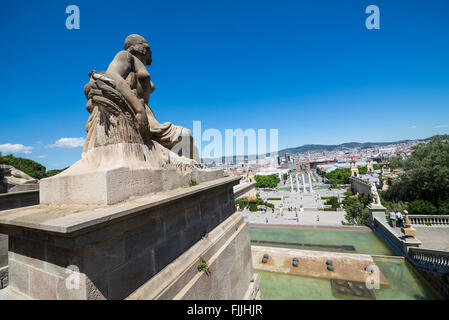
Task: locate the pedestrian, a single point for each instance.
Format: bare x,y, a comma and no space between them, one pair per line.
400,220
317,217
392,216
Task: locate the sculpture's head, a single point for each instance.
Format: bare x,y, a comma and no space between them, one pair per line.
139,47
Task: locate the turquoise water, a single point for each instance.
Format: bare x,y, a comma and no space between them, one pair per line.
405,284
363,241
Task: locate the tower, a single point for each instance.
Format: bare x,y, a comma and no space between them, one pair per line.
354,169
369,166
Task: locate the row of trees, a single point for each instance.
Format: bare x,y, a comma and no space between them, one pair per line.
252,204
424,182
421,188
269,181
341,175
30,167
357,211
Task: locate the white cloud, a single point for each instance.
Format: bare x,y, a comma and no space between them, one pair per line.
68,143
41,157
412,127
442,126
15,148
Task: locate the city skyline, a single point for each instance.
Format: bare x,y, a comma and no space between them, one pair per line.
312,71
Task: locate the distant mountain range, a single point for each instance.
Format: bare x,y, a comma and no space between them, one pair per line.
337,147
323,147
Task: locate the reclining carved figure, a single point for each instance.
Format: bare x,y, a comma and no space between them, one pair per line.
118,100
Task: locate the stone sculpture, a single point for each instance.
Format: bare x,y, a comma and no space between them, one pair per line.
375,194
127,152
14,180
118,102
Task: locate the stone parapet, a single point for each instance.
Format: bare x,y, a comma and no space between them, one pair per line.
117,249
14,200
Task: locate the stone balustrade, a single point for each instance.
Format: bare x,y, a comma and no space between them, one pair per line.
432,260
390,236
240,191
434,220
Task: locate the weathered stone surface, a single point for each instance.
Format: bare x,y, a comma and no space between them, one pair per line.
14,180
42,285
18,199
18,276
130,276
3,277
127,152
121,249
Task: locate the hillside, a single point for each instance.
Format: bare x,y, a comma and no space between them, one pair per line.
343,146
30,167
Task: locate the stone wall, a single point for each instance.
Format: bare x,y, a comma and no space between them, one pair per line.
226,250
18,199
359,186
11,201
118,256
438,281
3,277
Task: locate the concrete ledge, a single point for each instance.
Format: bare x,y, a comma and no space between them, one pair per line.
226,249
65,219
20,199
3,277
348,266
117,249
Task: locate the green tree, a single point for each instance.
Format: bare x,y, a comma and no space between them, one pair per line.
30,167
356,212
54,172
333,201
425,177
339,176
362,169
422,207
270,181
396,163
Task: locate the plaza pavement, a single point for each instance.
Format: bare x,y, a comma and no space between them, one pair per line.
310,216
432,237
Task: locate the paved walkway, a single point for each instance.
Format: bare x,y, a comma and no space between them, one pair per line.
436,238
309,218
310,201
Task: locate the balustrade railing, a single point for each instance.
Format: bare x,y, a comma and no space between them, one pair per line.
433,260
391,236
431,220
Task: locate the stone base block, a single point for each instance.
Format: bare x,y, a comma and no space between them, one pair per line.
226,252
409,232
144,248
105,187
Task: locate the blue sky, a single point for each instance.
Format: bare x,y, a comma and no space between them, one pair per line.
308,68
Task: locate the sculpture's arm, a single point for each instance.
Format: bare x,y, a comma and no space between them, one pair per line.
118,70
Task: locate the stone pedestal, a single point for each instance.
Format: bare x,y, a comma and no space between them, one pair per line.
110,174
144,248
409,232
377,211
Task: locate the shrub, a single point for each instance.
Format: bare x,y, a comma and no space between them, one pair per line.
422,207
270,181
30,167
